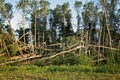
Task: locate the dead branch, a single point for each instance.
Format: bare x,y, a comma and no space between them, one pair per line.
63,52
19,38
99,60
2,54
6,49
104,47
72,46
55,55
55,44
21,57
39,56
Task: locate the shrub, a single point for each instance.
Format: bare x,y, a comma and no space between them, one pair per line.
72,59
57,61
37,62
13,50
108,68
85,60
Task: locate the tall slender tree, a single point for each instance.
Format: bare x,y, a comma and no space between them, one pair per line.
23,5
7,15
44,11
34,7
106,21
90,20
78,5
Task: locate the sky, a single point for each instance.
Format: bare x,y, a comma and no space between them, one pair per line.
17,16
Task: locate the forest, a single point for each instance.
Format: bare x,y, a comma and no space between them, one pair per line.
46,46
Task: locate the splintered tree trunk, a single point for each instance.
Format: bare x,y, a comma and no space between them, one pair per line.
8,54
100,37
106,20
31,44
86,43
35,26
35,35
44,33
119,45
13,36
23,27
11,31
43,42
89,33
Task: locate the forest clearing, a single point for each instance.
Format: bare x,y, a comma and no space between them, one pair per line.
48,45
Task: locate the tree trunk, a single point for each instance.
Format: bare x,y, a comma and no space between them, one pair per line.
24,25
108,30
35,35
35,26
11,31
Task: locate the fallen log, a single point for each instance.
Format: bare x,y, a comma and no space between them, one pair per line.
53,56
24,59
99,60
55,44
19,39
21,56
63,52
40,56
105,47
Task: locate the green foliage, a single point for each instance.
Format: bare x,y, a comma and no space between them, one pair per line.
108,68
112,56
85,60
58,61
77,72
5,41
75,68
71,40
57,68
13,50
115,56
2,51
37,62
73,59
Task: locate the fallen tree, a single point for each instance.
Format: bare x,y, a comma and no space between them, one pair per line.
23,59
40,57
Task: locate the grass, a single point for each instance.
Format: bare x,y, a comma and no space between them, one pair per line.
63,72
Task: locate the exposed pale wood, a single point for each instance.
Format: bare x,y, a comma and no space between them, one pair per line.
48,50
119,45
12,33
104,47
43,48
20,57
73,45
106,21
24,47
55,44
73,48
19,38
63,52
39,56
2,54
24,59
6,49
99,60
31,42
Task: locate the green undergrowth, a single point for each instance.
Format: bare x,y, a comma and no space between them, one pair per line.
69,67
62,72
